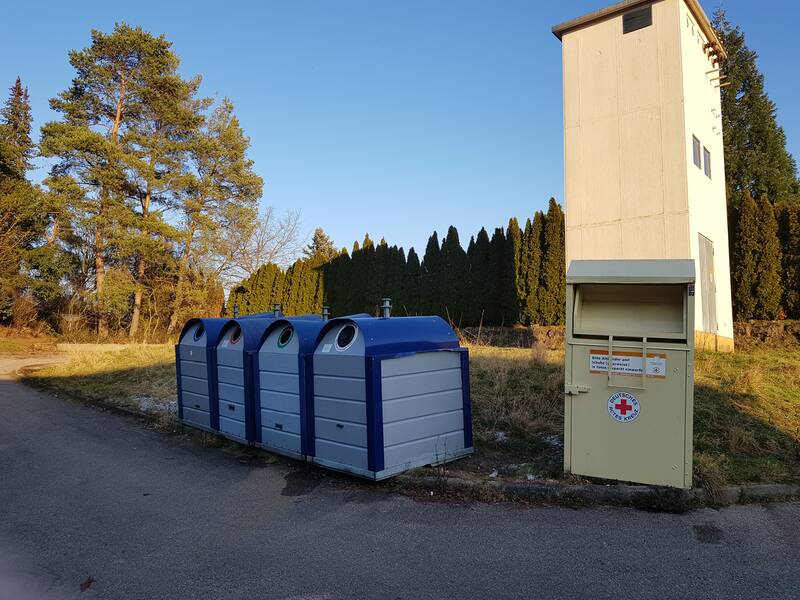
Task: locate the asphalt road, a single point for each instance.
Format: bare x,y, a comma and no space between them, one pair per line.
92,498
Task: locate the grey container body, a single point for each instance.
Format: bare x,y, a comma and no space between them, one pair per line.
279,394
231,386
194,379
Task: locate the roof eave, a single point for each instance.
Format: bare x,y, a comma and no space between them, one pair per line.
611,11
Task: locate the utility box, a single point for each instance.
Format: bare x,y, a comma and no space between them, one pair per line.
629,370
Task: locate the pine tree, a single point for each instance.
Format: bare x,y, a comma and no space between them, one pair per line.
156,149
789,233
453,278
23,215
756,158
744,263
108,98
430,292
220,202
768,270
320,246
16,146
553,277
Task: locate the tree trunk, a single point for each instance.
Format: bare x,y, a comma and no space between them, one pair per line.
118,114
100,280
182,267
137,296
137,299
99,243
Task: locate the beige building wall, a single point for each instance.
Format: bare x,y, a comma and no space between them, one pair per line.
706,195
631,103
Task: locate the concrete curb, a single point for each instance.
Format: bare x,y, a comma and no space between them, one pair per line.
639,496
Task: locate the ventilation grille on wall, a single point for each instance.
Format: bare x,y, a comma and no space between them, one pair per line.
637,19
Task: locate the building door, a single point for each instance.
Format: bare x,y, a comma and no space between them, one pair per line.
708,284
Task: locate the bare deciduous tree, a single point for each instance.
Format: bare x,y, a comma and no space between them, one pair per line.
234,253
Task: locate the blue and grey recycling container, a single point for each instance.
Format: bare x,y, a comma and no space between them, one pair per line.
236,376
196,368
390,394
284,381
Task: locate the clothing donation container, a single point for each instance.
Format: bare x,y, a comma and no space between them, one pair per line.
629,370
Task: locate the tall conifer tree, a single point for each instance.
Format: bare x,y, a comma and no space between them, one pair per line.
746,250
553,276
431,293
789,228
768,269
496,279
481,287
453,277
412,276
512,293
532,242
107,99
756,158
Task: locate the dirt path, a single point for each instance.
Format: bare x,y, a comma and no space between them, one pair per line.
11,365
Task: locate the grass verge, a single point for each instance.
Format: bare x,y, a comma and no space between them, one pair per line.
747,407
134,377
19,343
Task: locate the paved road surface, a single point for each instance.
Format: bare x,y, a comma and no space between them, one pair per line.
94,498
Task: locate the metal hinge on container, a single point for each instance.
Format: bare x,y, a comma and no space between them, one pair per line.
574,390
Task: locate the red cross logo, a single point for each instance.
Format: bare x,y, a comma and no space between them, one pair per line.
623,407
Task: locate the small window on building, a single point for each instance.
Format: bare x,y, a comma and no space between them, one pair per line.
637,19
707,162
696,152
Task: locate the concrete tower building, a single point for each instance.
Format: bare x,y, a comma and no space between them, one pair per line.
643,153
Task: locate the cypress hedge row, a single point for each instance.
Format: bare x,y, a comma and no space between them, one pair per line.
516,276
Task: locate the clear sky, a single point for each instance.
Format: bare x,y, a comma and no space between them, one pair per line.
395,118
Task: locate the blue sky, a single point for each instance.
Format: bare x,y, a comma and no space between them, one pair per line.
395,118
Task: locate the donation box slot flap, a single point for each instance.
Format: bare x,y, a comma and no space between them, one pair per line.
627,310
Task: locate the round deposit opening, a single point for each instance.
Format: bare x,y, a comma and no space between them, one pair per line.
346,336
286,336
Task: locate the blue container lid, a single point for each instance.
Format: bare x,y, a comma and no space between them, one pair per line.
399,335
307,328
213,329
252,329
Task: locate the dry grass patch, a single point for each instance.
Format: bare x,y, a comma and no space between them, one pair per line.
22,343
136,377
747,407
747,415
517,411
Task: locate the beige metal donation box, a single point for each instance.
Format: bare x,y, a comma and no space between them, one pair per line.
628,397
